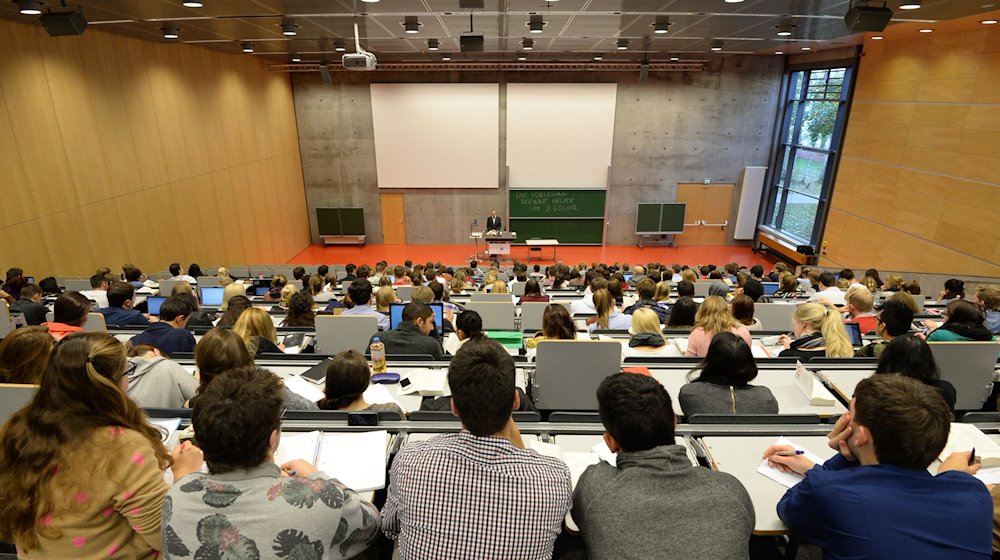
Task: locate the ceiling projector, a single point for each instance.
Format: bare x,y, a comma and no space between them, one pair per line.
360,60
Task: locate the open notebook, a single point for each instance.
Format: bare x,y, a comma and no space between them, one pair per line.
356,459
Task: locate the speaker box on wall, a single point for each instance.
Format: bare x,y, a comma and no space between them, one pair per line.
867,18
472,43
60,24
807,250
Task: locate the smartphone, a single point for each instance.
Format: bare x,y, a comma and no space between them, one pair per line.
362,419
404,383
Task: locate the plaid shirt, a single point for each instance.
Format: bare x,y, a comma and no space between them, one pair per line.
462,496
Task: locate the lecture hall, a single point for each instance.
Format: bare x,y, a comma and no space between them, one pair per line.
500,279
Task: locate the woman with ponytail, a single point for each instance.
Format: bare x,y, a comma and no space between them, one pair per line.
347,379
818,332
81,470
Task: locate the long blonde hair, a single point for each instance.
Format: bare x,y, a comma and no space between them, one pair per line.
818,318
604,303
254,323
714,316
646,321
229,292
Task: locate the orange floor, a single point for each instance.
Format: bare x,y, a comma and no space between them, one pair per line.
453,254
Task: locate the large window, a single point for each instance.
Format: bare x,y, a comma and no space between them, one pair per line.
803,164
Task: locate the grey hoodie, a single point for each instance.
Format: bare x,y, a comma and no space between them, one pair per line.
160,383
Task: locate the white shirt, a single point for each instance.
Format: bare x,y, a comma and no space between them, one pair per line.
832,293
185,278
100,296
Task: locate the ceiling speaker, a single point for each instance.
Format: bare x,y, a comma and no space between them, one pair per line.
471,43
470,4
867,18
63,23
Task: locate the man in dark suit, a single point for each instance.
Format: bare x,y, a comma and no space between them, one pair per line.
494,223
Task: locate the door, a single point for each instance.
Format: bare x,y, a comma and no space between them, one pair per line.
393,219
709,206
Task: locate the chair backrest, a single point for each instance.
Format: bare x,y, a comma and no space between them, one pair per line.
531,314
95,323
489,297
77,284
518,288
920,301
404,293
167,287
969,367
575,417
701,287
496,316
6,323
754,419
13,397
774,316
207,281
336,333
567,372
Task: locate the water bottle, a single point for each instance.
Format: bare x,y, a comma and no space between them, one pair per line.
377,350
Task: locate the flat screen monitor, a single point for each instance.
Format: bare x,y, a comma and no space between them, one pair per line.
770,288
396,315
31,279
265,282
211,296
261,290
154,303
854,333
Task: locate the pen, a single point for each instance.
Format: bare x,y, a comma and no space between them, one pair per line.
972,457
791,453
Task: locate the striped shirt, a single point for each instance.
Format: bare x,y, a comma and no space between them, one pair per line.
463,496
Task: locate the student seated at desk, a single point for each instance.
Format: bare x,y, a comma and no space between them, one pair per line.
723,384
221,350
860,305
910,356
875,499
533,292
742,307
647,337
713,317
359,297
682,314
30,305
894,320
788,287
818,332
655,504
300,311
257,330
235,306
24,355
608,315
987,297
468,325
247,506
556,325
413,334
347,378
157,382
81,470
231,291
477,493
119,311
953,289
964,322
170,333
68,315
646,290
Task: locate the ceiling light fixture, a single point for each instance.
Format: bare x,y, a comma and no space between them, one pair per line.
807,48
30,7
248,47
779,52
927,30
989,22
370,1
785,28
192,4
411,24
288,28
598,57
340,45
535,24
296,58
170,31
433,44
674,57
910,5
661,25
527,44
733,1
878,37
716,45
522,57
446,57
622,45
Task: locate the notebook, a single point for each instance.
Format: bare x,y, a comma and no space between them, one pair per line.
965,437
355,459
812,388
787,479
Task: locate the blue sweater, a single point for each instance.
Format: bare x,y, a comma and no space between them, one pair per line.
168,339
886,512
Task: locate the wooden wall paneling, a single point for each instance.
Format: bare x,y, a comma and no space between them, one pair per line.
189,219
283,184
139,227
18,205
261,201
186,92
247,229
66,240
24,247
230,202
209,106
229,118
109,108
166,221
299,208
143,126
104,230
245,93
164,83
81,141
36,129
210,220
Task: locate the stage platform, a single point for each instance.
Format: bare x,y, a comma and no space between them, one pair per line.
568,254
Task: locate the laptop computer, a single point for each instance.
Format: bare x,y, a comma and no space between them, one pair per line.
211,296
770,288
261,290
854,333
13,397
153,304
396,315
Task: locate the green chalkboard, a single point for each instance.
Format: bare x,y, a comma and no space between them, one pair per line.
352,221
672,218
647,218
328,221
659,218
553,203
567,231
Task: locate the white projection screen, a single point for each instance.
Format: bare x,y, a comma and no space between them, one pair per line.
560,135
436,135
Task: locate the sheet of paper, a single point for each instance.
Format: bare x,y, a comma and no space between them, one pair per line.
547,449
989,476
379,394
356,459
168,428
681,344
297,445
787,479
304,388
605,454
965,437
759,351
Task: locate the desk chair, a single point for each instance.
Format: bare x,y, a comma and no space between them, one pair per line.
701,287
567,372
404,293
969,367
531,314
6,322
754,419
575,417
13,397
337,333
774,316
166,287
518,289
208,281
77,284
971,417
95,323
497,316
478,297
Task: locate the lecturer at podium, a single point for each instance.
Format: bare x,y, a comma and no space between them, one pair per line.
494,223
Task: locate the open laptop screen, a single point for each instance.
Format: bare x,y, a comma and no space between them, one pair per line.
211,296
154,303
770,288
854,333
396,315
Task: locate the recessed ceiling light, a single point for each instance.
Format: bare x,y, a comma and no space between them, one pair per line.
248,47
170,31
807,48
622,45
785,28
288,29
598,57
779,52
370,1
192,4
535,24
674,57
733,1
877,37
662,25
927,30
446,57
340,45
30,7
522,57
433,45
411,24
910,5
527,44
716,45
296,58
989,22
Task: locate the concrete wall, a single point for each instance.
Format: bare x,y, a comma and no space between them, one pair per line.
679,127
